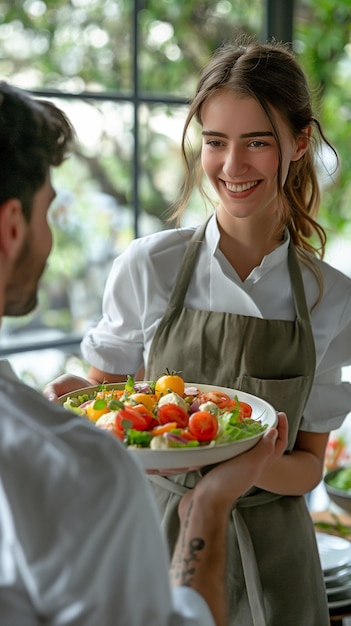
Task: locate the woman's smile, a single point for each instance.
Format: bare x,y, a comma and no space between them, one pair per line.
239,188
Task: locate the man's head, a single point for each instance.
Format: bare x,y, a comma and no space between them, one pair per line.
34,135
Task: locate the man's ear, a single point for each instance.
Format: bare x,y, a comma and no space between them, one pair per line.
12,227
302,143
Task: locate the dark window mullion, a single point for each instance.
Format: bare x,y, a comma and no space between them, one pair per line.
136,100
280,20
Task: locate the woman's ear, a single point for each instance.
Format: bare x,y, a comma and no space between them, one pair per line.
12,227
302,143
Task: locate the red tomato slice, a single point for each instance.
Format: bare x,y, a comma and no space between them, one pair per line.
217,397
172,413
148,415
227,404
223,401
130,418
153,424
246,409
203,425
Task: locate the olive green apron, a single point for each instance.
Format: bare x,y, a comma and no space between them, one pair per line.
274,573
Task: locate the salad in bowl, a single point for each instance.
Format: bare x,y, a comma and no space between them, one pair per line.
169,423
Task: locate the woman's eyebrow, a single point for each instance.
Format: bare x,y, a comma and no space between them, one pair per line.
256,133
211,133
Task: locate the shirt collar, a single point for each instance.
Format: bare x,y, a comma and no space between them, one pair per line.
212,234
270,261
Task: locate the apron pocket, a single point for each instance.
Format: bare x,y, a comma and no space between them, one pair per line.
288,395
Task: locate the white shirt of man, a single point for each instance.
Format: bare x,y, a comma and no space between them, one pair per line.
80,539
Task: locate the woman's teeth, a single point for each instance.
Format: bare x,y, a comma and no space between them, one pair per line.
239,188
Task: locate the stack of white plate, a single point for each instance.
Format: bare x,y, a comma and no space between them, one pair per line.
335,555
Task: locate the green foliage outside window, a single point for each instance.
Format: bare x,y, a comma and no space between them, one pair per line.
82,52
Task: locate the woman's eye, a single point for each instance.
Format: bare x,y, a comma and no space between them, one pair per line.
257,144
214,143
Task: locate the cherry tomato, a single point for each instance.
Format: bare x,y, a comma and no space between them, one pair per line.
130,418
172,413
168,383
203,425
95,409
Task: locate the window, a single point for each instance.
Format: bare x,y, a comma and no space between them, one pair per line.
123,70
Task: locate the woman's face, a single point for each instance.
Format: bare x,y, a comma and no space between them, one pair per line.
240,155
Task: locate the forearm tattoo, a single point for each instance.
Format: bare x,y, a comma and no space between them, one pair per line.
184,567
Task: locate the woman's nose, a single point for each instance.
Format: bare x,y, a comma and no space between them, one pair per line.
235,163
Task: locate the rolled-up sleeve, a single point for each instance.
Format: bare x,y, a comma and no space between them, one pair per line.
330,399
116,343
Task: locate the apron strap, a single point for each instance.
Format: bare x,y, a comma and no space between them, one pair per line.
301,308
297,284
169,485
180,287
250,569
186,268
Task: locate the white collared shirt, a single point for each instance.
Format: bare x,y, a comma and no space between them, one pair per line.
80,539
138,289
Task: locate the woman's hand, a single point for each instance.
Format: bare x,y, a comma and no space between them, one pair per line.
64,384
69,382
223,484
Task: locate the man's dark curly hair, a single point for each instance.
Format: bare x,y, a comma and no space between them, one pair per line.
34,135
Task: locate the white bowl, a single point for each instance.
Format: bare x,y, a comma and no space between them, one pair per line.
184,459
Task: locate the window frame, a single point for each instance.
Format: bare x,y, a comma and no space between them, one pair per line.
278,24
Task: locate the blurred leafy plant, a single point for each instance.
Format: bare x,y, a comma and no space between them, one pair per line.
85,46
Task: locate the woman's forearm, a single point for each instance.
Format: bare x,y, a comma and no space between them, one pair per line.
199,559
293,475
299,472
